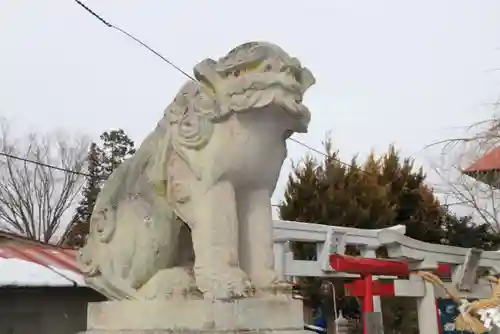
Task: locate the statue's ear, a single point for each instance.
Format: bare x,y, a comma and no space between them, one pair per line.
206,73
307,79
210,79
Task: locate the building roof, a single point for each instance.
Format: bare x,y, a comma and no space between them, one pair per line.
488,162
486,169
28,263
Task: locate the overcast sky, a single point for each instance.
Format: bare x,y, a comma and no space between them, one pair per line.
403,72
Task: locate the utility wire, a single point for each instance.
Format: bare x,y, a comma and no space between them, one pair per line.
10,156
7,155
100,18
109,25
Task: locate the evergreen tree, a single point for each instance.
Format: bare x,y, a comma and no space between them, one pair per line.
93,185
116,147
463,232
79,226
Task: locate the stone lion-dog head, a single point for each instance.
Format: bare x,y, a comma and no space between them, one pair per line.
255,75
250,77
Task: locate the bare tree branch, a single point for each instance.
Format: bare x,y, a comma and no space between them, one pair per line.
33,197
480,200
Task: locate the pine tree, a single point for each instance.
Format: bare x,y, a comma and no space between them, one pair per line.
463,232
93,186
116,147
79,226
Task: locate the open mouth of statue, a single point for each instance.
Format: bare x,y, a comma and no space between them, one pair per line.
241,89
277,93
282,86
279,90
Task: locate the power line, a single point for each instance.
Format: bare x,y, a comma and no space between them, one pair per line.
10,156
7,155
88,175
109,25
308,147
66,170
105,22
332,157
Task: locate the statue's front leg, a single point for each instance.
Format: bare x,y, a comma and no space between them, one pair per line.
215,243
256,238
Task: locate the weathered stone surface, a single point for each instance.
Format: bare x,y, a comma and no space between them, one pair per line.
166,331
193,316
189,215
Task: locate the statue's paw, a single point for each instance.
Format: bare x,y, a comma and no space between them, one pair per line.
267,282
173,283
224,283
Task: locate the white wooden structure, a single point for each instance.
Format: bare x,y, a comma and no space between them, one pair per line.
333,240
420,256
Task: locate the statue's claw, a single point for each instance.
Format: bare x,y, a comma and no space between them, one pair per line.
223,283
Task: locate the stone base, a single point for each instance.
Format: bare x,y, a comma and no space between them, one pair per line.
169,331
275,315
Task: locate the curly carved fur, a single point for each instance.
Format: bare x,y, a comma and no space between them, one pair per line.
139,235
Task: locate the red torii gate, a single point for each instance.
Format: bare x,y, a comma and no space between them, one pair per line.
366,287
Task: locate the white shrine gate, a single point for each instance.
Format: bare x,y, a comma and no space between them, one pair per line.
462,263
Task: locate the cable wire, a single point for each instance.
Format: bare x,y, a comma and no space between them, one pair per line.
105,22
108,24
7,155
10,156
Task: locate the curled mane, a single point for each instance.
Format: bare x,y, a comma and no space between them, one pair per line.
186,124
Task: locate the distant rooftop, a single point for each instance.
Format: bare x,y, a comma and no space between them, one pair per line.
30,263
488,162
486,169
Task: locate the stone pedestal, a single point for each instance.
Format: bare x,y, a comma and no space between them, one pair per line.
263,315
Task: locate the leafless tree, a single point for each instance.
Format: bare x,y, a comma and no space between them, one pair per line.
33,195
465,193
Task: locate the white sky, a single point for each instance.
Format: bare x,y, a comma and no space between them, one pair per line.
403,72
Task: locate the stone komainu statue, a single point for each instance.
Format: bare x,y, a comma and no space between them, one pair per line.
189,215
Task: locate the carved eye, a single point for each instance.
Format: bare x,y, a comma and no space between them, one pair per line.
297,74
268,68
236,73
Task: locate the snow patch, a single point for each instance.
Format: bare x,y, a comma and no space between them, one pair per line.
21,273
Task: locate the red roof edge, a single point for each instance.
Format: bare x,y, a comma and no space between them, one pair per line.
27,240
488,162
